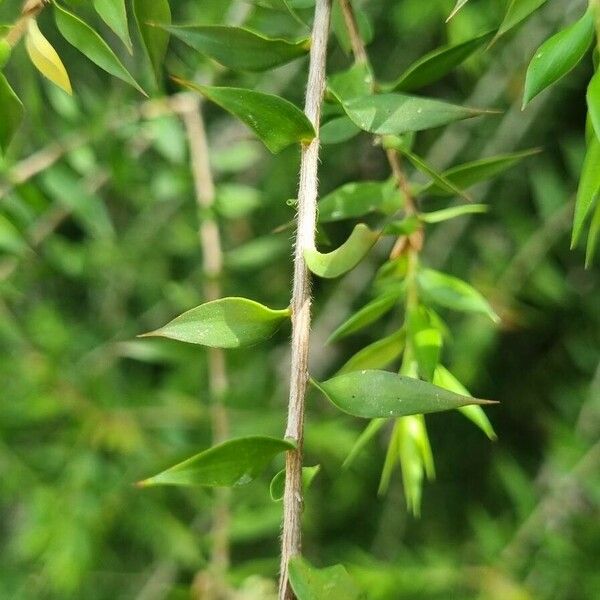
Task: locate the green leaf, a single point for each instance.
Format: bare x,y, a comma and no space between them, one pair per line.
453,293
277,487
459,4
357,199
593,238
277,122
425,341
229,464
238,48
436,64
404,226
11,239
377,355
366,315
518,10
468,174
11,109
589,188
156,40
346,257
353,82
363,439
382,394
88,42
401,113
332,583
337,130
114,14
558,55
5,52
224,323
445,214
445,379
593,102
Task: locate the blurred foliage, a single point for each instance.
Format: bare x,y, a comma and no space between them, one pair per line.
98,243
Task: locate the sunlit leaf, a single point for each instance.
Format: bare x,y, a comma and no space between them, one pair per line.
379,394
517,11
114,14
346,257
589,188
445,214
593,237
156,40
558,55
276,489
11,109
238,48
593,102
224,323
425,341
45,58
277,122
229,464
459,4
377,355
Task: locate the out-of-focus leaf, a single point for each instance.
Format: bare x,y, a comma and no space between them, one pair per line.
88,42
45,58
331,583
377,355
593,238
156,40
454,293
445,214
5,52
338,130
437,63
593,102
277,486
235,200
277,122
459,4
346,257
357,199
589,188
338,25
404,226
11,239
114,14
238,48
229,464
11,109
517,11
363,439
425,341
353,82
380,394
445,379
400,113
558,55
224,323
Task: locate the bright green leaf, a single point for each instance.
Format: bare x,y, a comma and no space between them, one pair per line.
114,14
11,239
459,4
5,52
156,40
517,11
224,323
589,188
377,355
593,237
593,102
445,214
364,438
276,489
11,110
232,463
404,226
425,341
277,122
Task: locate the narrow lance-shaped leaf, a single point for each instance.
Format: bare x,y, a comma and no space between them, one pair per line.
425,340
517,11
45,58
11,110
558,55
459,4
593,237
114,14
5,51
589,188
377,355
238,48
277,487
346,257
445,214
88,42
401,113
434,65
379,394
229,464
156,40
224,323
331,583
593,102
277,122
364,438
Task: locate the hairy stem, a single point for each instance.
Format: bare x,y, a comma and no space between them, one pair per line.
301,300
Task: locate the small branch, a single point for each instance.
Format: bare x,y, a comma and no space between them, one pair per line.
301,300
358,46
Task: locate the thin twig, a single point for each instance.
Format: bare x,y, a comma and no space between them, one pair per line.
356,41
301,300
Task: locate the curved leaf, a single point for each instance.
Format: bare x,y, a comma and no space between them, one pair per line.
11,109
338,130
238,48
155,40
377,355
593,102
589,188
517,11
593,238
229,464
224,323
114,14
277,122
332,583
277,487
346,257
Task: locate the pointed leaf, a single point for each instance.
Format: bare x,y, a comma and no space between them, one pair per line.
437,63
518,10
353,82
277,487
88,42
45,58
459,4
11,110
377,355
338,130
364,438
558,55
593,238
277,122
229,464
593,102
238,48
425,341
156,40
589,188
445,214
114,14
332,583
224,323
401,113
380,394
346,257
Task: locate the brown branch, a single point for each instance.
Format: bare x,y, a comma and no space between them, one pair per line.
358,46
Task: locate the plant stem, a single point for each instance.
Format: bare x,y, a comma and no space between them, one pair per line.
212,253
31,9
301,300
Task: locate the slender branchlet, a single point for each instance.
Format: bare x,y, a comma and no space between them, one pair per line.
301,300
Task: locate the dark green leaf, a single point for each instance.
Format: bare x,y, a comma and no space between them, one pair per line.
114,14
224,323
11,110
277,122
337,130
277,486
11,239
156,40
229,464
355,81
589,188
